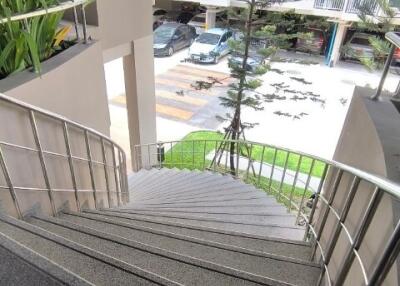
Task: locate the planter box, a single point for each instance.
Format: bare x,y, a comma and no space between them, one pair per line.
72,84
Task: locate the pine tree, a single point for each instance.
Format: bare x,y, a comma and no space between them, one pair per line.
262,33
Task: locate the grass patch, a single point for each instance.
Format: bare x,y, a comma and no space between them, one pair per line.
181,155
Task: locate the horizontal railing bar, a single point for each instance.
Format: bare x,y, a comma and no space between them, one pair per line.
388,186
53,153
57,117
40,12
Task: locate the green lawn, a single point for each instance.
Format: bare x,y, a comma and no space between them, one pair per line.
180,156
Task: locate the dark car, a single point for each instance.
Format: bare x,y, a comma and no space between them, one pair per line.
171,37
315,44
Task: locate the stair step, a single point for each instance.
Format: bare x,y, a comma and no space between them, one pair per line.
278,231
182,269
258,244
91,265
21,266
140,248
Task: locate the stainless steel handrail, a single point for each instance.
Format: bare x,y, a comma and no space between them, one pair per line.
115,169
149,156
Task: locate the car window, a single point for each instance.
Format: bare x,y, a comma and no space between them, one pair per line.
199,19
184,29
208,38
360,41
179,32
163,33
160,13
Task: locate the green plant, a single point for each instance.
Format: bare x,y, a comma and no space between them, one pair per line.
25,44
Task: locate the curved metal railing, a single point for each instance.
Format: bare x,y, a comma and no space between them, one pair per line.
330,221
41,143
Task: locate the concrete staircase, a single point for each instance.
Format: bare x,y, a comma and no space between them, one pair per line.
180,228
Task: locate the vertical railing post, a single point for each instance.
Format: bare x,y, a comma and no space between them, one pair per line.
159,148
117,187
283,176
296,176
125,176
250,153
332,195
42,161
315,203
193,155
10,185
91,171
237,158
204,154
384,73
337,229
105,164
215,155
121,178
261,165
149,156
360,234
76,23
388,258
84,24
271,176
305,189
71,165
172,154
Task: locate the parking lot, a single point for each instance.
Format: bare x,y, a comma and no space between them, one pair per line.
300,123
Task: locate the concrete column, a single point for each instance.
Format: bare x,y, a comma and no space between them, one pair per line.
140,98
337,44
211,18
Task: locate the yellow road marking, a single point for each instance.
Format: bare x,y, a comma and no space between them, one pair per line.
174,112
163,109
185,99
201,72
179,84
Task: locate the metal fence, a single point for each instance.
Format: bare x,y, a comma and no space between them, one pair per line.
291,176
336,5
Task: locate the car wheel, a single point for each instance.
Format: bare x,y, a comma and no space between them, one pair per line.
170,51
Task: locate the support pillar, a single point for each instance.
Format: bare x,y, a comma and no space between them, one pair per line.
211,18
140,98
334,52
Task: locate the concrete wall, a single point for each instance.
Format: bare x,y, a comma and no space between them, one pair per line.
123,21
72,84
367,142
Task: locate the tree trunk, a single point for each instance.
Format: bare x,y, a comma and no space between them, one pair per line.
236,121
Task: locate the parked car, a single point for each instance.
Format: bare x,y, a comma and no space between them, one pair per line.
171,37
316,44
254,60
199,21
357,46
210,46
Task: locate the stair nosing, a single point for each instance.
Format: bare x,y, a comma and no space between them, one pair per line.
41,263
201,263
197,240
114,262
201,228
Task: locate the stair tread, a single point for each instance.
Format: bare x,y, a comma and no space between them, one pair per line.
143,254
